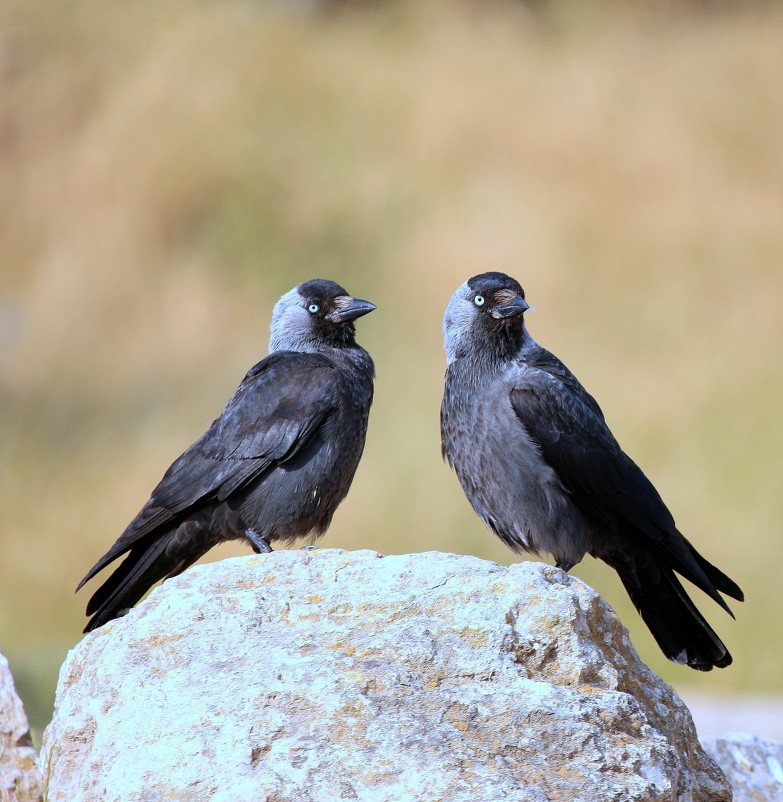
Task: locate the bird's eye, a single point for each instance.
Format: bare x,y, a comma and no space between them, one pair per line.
479,300
313,308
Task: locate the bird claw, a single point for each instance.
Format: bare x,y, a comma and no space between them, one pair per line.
260,546
309,547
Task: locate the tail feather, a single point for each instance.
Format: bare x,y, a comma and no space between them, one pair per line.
149,561
150,521
680,630
679,554
722,582
144,565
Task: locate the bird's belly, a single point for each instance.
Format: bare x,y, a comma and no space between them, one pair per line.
299,497
517,495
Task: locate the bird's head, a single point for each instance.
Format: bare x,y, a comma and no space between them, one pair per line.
485,318
315,315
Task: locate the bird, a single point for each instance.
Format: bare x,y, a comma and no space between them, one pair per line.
540,467
273,466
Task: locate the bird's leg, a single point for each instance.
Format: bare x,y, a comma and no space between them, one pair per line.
564,565
260,546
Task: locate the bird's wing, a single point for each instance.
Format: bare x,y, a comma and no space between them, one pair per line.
603,481
274,413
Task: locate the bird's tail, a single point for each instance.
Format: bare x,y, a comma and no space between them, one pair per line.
723,583
151,559
678,627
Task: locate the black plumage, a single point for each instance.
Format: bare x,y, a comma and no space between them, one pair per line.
276,463
540,467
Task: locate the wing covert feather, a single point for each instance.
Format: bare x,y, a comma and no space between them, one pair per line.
575,441
278,407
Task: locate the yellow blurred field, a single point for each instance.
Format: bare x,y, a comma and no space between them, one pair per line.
168,170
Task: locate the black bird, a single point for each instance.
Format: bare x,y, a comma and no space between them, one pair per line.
276,463
542,470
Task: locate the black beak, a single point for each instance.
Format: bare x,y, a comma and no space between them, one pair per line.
356,308
513,308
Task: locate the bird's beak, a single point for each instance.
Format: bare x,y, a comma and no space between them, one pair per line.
348,308
516,306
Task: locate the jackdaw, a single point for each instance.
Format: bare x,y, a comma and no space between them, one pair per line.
540,467
276,463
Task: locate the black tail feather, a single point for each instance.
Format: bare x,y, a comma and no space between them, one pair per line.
723,583
158,555
680,630
144,565
149,561
677,552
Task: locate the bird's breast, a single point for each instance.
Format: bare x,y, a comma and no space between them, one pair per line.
504,476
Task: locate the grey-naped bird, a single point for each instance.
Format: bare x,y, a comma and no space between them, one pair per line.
540,467
276,463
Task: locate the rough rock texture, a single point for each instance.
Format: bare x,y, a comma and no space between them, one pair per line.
20,780
753,766
313,676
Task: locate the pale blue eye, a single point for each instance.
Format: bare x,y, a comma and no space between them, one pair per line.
313,308
479,300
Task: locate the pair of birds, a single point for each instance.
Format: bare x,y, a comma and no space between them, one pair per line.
529,445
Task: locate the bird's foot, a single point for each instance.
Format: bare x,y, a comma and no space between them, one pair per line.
564,565
260,546
309,547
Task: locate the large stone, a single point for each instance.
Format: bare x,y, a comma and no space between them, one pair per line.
313,676
20,780
754,766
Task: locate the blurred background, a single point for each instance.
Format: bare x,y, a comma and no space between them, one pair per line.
168,170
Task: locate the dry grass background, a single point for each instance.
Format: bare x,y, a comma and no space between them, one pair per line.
168,170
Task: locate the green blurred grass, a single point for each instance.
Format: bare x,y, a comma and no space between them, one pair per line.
167,171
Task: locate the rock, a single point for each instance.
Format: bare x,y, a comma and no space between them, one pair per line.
20,779
753,766
323,675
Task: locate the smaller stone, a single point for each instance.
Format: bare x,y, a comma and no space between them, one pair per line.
753,765
20,779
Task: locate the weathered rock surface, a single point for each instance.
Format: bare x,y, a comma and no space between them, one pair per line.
753,766
20,780
313,676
